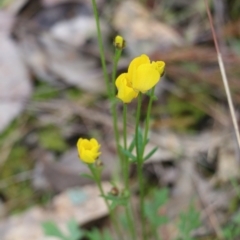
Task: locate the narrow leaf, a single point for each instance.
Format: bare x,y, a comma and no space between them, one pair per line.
150,153
132,145
87,176
128,154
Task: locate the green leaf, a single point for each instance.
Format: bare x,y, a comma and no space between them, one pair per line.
150,153
106,235
73,228
151,208
94,234
132,145
188,221
85,175
116,200
128,154
51,229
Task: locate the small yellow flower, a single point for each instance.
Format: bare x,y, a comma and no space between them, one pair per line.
125,92
144,75
88,150
119,42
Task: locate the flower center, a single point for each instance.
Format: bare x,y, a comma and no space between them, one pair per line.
87,145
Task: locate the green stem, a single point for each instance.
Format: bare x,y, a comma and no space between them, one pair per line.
125,165
117,56
126,174
113,99
140,168
130,222
101,48
137,124
96,176
148,117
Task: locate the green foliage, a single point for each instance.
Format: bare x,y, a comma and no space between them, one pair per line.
232,230
95,234
185,114
128,154
73,93
150,153
120,200
44,91
132,144
16,179
52,230
189,221
159,199
50,138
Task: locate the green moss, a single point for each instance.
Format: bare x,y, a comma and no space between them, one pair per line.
44,91
51,139
73,93
186,114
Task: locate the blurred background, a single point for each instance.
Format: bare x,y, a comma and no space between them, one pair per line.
52,92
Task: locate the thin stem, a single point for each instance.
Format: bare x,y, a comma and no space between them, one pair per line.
146,130
137,124
101,48
224,76
139,168
113,93
125,165
117,56
130,222
97,179
126,175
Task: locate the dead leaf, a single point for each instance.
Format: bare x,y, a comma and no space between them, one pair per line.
15,86
143,33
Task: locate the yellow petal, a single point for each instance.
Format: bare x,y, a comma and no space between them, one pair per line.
88,150
146,77
125,92
135,63
160,66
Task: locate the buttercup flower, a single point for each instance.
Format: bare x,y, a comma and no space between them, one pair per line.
125,92
142,75
119,42
88,150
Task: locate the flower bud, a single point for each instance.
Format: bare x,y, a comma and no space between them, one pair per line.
119,42
114,191
88,150
99,163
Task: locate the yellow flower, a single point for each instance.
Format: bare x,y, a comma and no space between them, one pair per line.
88,150
144,75
119,42
125,92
